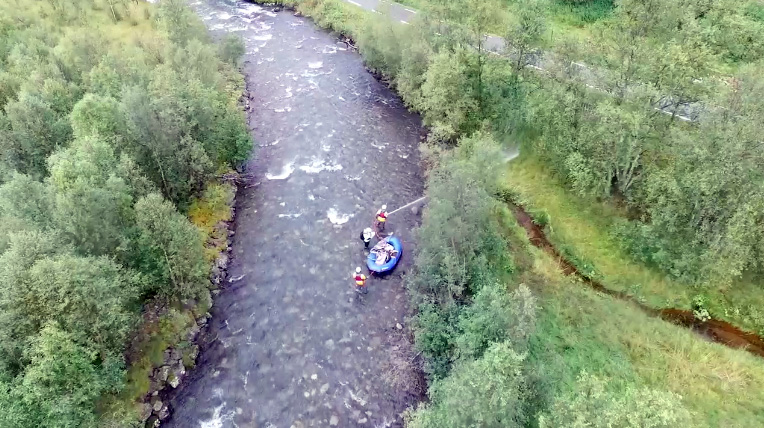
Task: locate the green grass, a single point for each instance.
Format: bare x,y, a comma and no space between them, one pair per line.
579,329
582,228
208,211
580,14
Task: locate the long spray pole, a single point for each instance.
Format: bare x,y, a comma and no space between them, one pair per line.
407,205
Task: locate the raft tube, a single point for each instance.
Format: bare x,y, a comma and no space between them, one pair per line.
390,265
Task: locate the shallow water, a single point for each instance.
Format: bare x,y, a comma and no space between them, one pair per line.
290,343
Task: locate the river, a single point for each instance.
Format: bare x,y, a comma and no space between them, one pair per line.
290,343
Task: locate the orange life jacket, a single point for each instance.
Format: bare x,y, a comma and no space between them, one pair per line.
360,279
381,216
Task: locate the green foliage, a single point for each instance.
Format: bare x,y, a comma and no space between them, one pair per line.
93,298
449,102
435,332
34,131
93,204
103,104
582,12
179,22
495,316
592,406
61,384
488,392
461,247
170,248
379,44
232,49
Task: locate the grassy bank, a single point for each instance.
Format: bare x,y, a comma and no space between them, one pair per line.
584,229
580,330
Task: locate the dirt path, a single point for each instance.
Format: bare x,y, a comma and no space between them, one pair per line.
290,342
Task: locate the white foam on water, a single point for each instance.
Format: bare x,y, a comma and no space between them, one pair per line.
224,16
336,218
329,49
290,215
289,93
379,147
326,147
270,144
250,8
318,165
317,64
282,110
261,26
263,37
286,171
217,418
349,178
311,197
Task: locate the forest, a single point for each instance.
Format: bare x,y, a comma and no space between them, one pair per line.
114,119
648,111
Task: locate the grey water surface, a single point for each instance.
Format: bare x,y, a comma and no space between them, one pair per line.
290,343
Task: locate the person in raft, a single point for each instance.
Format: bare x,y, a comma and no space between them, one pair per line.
366,236
360,281
383,252
380,218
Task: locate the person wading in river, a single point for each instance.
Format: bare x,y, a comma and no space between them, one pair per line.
379,220
360,281
366,236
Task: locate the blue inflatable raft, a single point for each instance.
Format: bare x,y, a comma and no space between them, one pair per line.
390,265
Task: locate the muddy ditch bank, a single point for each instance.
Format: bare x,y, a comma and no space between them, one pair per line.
711,329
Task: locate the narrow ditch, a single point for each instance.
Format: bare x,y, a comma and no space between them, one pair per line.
715,330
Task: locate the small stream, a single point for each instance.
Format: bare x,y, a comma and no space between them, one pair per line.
290,343
715,330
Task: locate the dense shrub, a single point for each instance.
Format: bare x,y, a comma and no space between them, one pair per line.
591,404
97,117
488,392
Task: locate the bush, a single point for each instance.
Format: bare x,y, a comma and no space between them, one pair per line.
232,49
496,316
461,245
488,392
591,404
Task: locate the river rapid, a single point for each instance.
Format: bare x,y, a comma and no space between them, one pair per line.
290,343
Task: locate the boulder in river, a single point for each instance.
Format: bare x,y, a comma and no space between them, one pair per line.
156,404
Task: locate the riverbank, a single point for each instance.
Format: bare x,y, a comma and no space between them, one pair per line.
165,345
